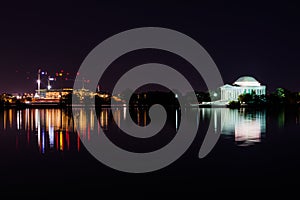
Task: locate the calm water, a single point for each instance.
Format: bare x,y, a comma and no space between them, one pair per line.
257,149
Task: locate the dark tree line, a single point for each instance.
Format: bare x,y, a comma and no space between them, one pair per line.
279,97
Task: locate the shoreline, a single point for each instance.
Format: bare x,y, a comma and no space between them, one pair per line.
65,106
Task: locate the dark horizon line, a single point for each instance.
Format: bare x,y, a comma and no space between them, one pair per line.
142,92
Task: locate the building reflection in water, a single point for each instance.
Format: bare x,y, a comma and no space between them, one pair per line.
49,129
247,126
54,129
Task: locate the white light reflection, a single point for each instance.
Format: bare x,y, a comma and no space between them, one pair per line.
247,127
176,120
19,120
248,131
124,112
215,121
51,133
37,118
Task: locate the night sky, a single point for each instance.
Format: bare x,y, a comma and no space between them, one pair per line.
260,40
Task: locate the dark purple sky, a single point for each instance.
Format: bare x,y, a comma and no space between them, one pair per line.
260,40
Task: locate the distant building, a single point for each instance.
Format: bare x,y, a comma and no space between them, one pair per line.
243,85
57,93
54,93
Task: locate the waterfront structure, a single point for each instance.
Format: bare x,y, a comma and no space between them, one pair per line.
244,85
53,93
57,93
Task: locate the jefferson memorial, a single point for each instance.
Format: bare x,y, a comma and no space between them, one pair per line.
244,85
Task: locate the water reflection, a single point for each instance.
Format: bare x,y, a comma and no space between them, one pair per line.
250,126
54,129
246,126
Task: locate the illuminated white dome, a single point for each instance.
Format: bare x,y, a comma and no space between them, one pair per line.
246,81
